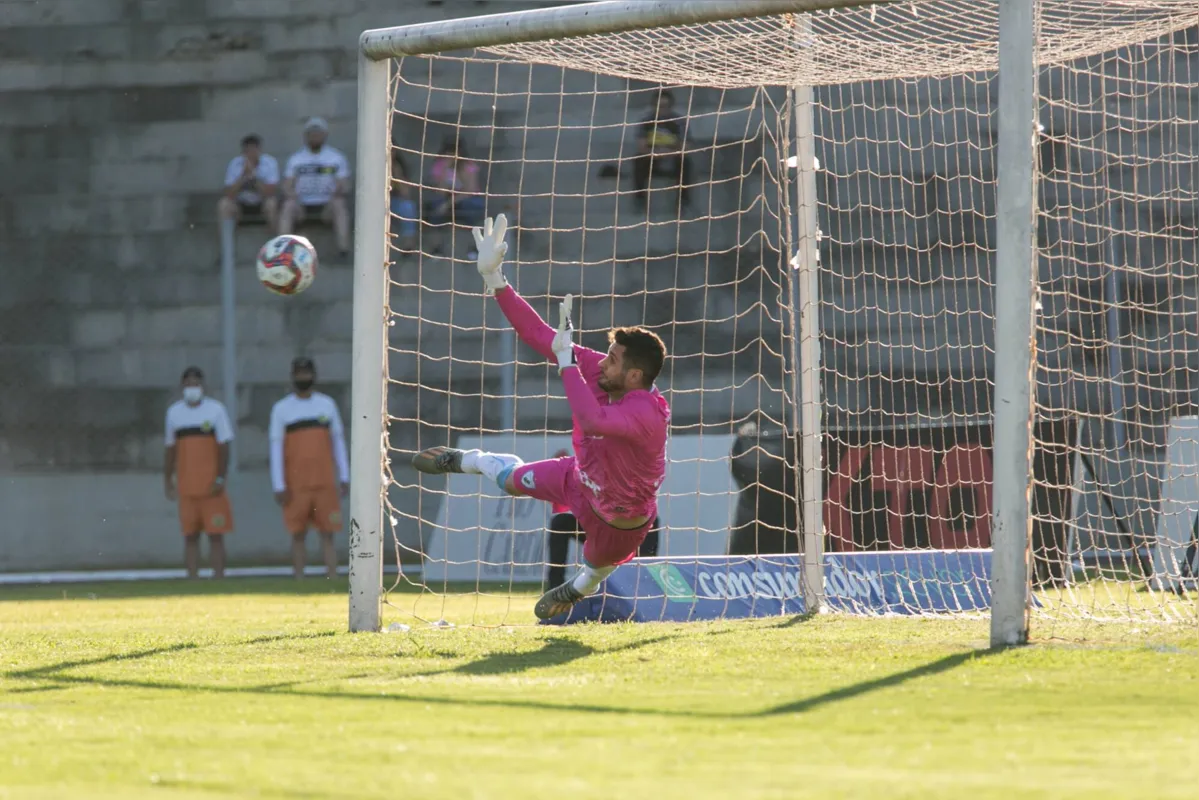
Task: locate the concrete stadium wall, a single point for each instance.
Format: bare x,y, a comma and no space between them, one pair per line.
81,522
117,118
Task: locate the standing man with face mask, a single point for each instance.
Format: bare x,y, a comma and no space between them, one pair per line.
308,462
198,433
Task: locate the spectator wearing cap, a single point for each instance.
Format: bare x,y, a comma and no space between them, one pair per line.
316,185
251,183
309,465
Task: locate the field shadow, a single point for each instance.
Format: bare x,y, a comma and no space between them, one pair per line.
555,652
944,664
173,588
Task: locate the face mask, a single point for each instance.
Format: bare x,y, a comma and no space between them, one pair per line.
193,394
302,385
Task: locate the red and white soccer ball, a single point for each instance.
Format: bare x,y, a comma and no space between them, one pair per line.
287,264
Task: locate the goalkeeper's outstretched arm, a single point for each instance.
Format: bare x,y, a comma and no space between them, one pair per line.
528,324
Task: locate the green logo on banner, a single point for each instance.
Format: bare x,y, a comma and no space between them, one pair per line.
672,583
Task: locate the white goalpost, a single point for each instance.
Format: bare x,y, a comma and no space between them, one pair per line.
914,262
1013,407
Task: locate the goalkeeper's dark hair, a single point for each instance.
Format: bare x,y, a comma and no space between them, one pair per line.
643,350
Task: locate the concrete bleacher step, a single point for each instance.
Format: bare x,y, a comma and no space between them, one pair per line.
149,366
62,428
605,226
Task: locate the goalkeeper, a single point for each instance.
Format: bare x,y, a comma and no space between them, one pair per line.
620,427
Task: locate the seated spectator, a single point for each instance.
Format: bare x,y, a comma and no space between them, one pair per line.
251,181
316,183
456,193
403,207
660,151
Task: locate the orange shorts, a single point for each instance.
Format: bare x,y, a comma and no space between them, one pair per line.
317,508
205,514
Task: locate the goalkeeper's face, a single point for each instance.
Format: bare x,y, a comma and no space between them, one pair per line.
614,376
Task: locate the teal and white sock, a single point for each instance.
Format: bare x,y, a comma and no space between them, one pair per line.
589,578
489,465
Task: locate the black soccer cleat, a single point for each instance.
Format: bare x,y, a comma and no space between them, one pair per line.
557,601
438,460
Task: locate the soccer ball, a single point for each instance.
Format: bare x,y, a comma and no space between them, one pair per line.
287,264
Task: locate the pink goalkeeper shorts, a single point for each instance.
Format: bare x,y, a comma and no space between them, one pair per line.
556,481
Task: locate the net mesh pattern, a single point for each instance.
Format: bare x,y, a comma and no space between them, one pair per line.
879,42
904,118
700,258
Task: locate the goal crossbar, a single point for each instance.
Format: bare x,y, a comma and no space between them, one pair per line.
583,19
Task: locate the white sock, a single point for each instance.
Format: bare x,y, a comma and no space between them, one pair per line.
489,465
589,578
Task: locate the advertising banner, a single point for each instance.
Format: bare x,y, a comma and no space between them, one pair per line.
908,488
736,587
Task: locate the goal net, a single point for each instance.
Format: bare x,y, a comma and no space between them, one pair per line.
831,363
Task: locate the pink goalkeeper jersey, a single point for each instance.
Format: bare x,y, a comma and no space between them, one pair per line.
620,447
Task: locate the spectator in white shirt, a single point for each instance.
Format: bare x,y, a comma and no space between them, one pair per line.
316,182
251,181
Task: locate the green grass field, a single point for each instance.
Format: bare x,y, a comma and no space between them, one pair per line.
253,689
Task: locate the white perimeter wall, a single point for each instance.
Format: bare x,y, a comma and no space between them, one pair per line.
73,521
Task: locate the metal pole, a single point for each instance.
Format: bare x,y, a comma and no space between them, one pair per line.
508,379
368,364
229,333
1014,273
1115,362
806,307
576,20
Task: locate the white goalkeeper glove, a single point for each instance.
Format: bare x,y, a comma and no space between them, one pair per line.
564,345
490,244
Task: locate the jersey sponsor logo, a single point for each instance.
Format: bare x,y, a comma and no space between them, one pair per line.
528,481
590,484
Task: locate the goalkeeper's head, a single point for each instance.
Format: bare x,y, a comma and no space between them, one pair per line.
635,357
